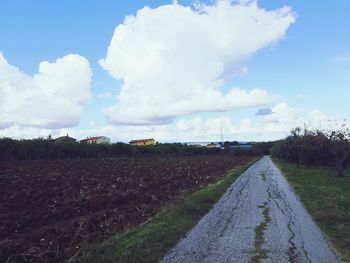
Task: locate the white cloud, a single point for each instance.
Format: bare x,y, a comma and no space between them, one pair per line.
52,98
261,128
285,118
201,129
268,127
173,60
16,131
282,114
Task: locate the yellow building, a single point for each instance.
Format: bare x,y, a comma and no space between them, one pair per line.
142,142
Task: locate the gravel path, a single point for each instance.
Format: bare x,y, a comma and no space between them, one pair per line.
259,219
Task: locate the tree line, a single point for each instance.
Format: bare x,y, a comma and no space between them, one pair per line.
316,147
46,149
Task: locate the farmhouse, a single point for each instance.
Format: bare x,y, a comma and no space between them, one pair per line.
142,142
213,145
64,139
97,140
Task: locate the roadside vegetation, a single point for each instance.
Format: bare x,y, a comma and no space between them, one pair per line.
259,252
149,242
48,149
316,147
315,162
327,197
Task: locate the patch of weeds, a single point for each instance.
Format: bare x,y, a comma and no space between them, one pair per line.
259,252
263,176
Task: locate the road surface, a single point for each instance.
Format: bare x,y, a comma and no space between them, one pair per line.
259,219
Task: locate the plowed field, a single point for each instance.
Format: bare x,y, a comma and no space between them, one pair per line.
50,209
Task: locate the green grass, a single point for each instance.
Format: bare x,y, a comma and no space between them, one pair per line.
327,198
149,242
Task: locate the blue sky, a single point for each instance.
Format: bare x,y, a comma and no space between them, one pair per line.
306,71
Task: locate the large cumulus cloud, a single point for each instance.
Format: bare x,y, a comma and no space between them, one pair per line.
52,98
173,60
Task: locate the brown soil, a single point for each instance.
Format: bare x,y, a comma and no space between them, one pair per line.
49,210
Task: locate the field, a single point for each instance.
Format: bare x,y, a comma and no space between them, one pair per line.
51,209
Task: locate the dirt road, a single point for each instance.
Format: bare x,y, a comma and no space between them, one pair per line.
259,219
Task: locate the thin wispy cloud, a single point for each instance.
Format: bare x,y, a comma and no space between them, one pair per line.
344,58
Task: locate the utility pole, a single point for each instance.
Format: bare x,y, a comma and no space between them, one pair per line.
221,136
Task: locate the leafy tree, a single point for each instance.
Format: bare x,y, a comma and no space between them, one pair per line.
339,146
263,148
316,147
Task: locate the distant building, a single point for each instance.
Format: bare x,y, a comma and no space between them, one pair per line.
197,144
142,142
213,145
64,139
97,140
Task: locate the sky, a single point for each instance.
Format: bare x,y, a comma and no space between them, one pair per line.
175,71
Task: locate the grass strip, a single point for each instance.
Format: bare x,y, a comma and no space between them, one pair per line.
326,197
259,252
149,242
